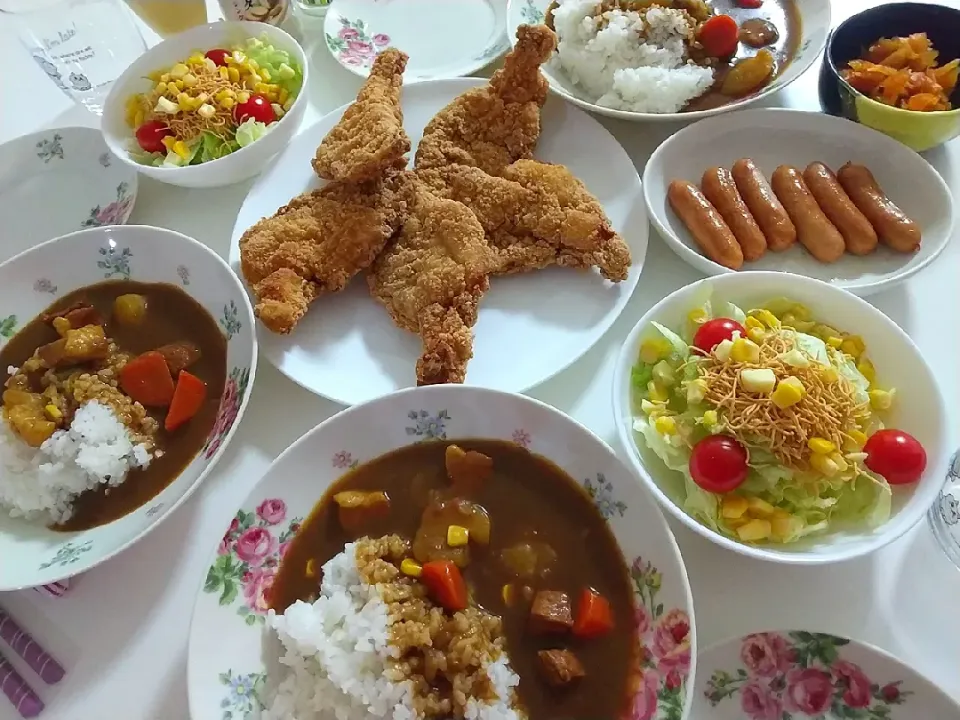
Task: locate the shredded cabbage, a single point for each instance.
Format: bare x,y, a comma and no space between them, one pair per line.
815,503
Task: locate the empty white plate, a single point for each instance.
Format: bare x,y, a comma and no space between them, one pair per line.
798,675
444,38
54,182
777,137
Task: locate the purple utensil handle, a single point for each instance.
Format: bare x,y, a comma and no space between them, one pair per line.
26,647
22,696
57,589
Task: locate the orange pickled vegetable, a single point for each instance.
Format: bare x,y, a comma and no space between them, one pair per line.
147,380
187,400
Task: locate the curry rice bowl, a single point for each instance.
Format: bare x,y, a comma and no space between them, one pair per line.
634,61
95,449
342,652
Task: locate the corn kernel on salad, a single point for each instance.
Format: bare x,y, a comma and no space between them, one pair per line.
775,420
212,103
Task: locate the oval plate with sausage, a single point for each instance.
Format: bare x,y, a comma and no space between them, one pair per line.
905,204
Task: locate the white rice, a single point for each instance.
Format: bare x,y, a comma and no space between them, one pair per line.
43,482
337,652
628,61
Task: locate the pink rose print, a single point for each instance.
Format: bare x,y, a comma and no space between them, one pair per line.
256,588
342,460
644,705
350,59
380,40
521,437
360,48
759,703
673,680
227,542
671,641
272,511
641,617
856,693
765,654
254,544
808,691
890,692
348,33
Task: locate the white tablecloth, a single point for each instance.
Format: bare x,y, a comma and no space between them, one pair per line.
122,631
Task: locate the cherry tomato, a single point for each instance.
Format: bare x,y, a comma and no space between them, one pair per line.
719,36
897,456
258,108
750,4
713,332
218,55
150,135
718,464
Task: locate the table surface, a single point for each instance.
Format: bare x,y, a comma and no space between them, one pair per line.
122,630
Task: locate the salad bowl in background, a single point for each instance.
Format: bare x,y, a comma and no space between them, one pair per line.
237,166
919,408
31,282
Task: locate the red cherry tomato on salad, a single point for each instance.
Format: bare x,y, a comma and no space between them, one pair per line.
719,36
895,455
718,464
150,135
258,108
713,332
750,4
218,55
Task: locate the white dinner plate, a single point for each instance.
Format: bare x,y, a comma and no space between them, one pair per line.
54,182
797,675
793,137
443,39
530,327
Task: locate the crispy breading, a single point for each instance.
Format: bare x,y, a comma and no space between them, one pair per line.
537,215
369,137
317,242
431,278
491,126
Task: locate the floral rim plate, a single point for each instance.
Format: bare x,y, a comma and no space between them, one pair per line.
56,181
814,21
530,326
799,675
227,671
443,39
32,554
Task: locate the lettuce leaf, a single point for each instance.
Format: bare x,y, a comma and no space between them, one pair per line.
214,147
249,131
146,158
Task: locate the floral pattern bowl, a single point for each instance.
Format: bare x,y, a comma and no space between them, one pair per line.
799,675
29,283
56,181
228,667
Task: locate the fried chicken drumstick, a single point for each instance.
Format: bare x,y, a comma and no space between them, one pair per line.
431,279
370,137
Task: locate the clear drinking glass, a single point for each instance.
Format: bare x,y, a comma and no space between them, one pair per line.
82,45
169,17
945,513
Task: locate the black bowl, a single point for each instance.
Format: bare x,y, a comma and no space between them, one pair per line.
849,40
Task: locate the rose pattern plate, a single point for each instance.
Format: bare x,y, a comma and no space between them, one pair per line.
32,281
443,40
227,673
72,165
801,675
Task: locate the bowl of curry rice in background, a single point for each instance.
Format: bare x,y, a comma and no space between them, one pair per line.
129,355
851,40
800,26
514,543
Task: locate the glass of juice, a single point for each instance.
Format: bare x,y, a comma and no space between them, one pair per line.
82,45
169,17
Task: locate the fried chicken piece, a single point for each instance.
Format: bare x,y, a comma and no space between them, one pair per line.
370,137
430,280
491,126
536,215
317,242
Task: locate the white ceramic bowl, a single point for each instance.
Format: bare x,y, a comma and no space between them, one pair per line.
814,23
240,165
31,282
920,407
228,653
793,137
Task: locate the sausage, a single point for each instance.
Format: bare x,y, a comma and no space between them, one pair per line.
858,234
815,232
764,206
721,191
705,224
894,228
